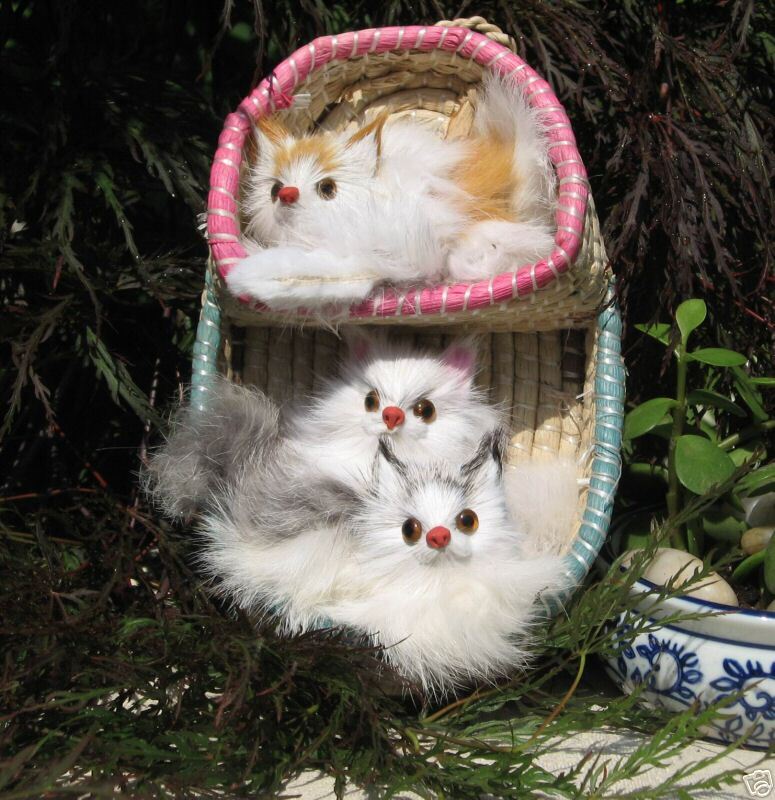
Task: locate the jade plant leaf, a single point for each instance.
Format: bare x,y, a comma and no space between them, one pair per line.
659,331
690,315
748,450
700,464
723,526
704,397
646,416
718,357
756,482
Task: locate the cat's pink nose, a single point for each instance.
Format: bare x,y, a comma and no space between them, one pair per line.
438,537
393,416
288,195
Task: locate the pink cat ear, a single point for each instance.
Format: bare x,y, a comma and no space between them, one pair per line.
359,344
461,356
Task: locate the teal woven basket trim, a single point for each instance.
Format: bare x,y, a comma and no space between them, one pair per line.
606,463
208,341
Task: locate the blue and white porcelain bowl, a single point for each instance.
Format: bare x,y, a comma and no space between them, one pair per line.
702,661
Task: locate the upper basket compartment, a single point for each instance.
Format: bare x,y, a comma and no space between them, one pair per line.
432,73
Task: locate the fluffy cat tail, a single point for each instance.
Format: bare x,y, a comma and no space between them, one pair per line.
505,114
207,451
543,501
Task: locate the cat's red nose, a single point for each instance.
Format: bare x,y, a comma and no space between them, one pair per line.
438,538
393,416
288,195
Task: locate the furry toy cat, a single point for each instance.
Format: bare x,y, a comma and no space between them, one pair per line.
331,215
426,564
445,580
426,403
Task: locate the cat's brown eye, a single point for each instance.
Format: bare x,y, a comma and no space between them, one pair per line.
276,186
467,521
327,188
372,401
411,530
425,410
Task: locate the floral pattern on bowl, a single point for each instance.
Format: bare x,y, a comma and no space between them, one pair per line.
703,661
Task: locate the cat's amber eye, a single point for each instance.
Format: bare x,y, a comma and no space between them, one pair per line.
372,401
411,530
467,521
425,410
327,188
276,186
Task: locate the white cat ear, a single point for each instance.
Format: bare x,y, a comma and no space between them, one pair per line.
389,470
268,133
364,147
487,462
360,344
461,356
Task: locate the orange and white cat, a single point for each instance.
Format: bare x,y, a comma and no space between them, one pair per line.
331,215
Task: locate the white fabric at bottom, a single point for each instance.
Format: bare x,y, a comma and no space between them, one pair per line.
313,786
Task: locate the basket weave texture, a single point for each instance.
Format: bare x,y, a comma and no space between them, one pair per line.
551,331
431,73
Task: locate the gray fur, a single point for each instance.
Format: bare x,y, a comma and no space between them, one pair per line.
208,451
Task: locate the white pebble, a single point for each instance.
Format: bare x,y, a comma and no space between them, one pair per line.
759,510
756,539
669,562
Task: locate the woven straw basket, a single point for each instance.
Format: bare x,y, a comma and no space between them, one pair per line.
553,331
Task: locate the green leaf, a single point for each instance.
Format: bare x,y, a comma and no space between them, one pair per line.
745,452
757,482
704,397
646,416
722,526
119,380
663,430
747,566
749,394
700,464
769,566
659,331
690,315
769,382
718,357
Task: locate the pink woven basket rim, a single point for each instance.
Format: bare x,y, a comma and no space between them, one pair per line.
276,92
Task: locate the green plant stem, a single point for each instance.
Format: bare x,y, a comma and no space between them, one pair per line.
751,432
677,538
559,707
746,567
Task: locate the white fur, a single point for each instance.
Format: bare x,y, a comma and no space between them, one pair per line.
445,617
495,246
449,616
505,110
396,217
293,575
336,438
543,499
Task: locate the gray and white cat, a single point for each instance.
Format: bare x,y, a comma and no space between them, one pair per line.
425,402
380,507
426,562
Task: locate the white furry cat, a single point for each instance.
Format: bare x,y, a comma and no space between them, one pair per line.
330,215
427,564
426,403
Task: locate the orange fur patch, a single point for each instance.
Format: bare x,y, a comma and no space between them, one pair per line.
320,148
273,129
375,127
487,177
